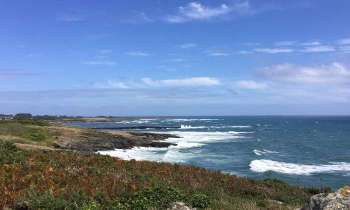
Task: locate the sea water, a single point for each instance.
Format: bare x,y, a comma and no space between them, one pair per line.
302,150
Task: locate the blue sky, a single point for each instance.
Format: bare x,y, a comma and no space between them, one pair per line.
166,57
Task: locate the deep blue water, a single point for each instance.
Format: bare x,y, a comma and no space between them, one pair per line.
303,150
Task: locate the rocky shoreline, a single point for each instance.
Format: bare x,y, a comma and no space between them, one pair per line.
91,140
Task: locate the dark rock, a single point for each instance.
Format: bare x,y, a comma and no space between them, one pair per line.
93,141
139,127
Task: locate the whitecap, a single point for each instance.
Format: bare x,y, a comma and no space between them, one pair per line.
298,169
175,153
263,152
137,153
189,119
189,127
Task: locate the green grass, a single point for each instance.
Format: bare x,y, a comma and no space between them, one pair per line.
26,131
69,180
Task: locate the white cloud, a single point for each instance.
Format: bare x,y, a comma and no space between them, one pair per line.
274,50
188,45
99,62
185,82
285,43
320,48
345,41
105,51
198,11
218,54
345,48
244,52
111,84
137,53
70,18
250,85
251,43
335,73
138,17
177,60
313,43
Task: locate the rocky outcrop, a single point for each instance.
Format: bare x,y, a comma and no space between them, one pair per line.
180,206
91,140
339,200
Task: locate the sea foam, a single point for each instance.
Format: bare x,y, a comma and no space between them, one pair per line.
176,153
263,152
298,169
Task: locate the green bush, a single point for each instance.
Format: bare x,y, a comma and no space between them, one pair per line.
314,191
159,197
199,200
9,154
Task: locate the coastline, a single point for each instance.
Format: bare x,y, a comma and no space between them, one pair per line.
67,155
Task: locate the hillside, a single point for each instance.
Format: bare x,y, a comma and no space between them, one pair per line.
44,177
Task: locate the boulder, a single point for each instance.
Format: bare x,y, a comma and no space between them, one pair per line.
180,206
339,200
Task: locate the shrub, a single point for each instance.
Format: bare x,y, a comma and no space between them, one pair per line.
48,201
199,200
9,153
159,197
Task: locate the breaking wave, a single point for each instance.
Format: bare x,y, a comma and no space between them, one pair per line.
177,153
298,169
263,152
189,119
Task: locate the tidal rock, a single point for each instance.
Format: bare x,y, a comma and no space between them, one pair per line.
339,200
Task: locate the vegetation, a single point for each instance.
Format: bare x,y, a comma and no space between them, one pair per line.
69,180
42,179
27,131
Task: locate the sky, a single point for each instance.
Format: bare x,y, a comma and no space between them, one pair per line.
167,57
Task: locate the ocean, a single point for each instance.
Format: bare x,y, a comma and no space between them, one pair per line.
301,150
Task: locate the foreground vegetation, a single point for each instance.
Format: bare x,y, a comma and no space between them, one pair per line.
67,180
34,174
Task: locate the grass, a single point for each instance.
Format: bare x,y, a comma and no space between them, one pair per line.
26,131
69,180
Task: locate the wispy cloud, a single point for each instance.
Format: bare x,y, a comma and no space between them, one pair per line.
188,45
14,73
99,62
345,41
147,83
176,60
138,54
244,52
319,48
345,49
312,43
111,84
250,85
285,43
185,82
138,17
105,51
273,50
341,45
197,11
218,54
334,73
290,83
70,18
